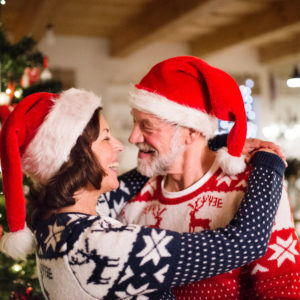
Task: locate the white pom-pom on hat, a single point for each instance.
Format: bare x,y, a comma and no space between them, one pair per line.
18,244
230,164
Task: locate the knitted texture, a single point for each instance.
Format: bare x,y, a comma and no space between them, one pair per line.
211,203
96,257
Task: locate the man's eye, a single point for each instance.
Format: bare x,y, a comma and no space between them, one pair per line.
146,127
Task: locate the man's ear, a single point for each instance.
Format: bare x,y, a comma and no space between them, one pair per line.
191,136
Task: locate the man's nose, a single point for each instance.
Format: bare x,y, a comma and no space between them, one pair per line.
136,135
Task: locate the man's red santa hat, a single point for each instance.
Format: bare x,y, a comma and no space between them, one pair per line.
189,92
36,139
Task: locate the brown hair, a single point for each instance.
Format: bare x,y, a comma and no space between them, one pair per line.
81,168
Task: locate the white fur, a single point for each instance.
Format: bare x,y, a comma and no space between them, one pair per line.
18,244
173,112
56,136
230,164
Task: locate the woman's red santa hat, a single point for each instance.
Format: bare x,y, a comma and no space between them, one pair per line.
36,139
189,92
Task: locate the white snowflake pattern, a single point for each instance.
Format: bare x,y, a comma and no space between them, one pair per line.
225,178
123,187
160,275
259,268
117,207
155,247
284,249
128,274
149,187
131,292
55,232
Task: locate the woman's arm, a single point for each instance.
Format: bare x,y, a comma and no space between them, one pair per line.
251,146
160,259
246,237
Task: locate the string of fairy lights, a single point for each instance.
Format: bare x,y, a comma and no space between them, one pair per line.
246,91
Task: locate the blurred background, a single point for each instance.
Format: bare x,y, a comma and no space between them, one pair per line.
108,45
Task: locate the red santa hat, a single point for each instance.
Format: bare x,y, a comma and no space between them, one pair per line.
36,139
187,91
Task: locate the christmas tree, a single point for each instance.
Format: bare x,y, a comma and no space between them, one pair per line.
23,71
18,279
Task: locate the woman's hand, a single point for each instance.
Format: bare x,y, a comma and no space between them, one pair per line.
253,145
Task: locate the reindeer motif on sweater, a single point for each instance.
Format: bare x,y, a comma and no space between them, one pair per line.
197,222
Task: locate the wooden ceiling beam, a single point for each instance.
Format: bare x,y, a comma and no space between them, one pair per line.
24,20
44,13
158,18
283,50
254,29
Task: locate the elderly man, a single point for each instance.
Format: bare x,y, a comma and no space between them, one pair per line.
191,187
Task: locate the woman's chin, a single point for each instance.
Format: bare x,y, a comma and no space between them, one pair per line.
110,182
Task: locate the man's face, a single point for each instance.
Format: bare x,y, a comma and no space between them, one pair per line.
159,143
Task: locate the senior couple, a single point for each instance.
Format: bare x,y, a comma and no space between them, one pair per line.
202,217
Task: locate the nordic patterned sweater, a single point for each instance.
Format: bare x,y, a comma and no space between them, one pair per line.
81,256
209,204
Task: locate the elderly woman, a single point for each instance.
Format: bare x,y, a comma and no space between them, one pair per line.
63,143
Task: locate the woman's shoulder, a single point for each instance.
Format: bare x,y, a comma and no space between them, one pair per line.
55,235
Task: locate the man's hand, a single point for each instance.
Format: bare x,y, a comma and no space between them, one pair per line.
253,145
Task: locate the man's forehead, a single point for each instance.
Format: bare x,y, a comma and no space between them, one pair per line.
141,115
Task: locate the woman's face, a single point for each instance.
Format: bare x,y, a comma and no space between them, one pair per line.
106,149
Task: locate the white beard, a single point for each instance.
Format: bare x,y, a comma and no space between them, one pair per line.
160,164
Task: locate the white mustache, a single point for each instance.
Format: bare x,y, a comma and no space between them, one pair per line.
145,147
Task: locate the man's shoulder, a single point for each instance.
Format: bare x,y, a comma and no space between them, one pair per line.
149,190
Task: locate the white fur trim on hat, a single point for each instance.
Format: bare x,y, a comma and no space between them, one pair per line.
57,135
230,164
18,244
173,112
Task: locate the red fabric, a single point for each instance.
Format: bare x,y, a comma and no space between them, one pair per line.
275,276
17,132
191,82
212,205
4,113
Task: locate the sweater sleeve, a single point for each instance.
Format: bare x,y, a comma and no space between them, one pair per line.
130,183
151,259
277,274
